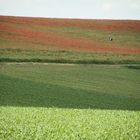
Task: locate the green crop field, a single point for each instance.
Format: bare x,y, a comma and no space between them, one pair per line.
70,102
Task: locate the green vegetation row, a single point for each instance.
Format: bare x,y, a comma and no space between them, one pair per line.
18,55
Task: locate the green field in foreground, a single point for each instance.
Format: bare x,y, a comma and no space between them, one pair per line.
70,102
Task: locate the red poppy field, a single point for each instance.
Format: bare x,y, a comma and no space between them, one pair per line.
75,35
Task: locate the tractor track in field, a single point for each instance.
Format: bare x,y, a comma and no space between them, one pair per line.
64,64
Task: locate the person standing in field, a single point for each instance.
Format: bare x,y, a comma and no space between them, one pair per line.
110,38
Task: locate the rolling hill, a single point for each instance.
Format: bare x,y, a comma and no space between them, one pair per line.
69,40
